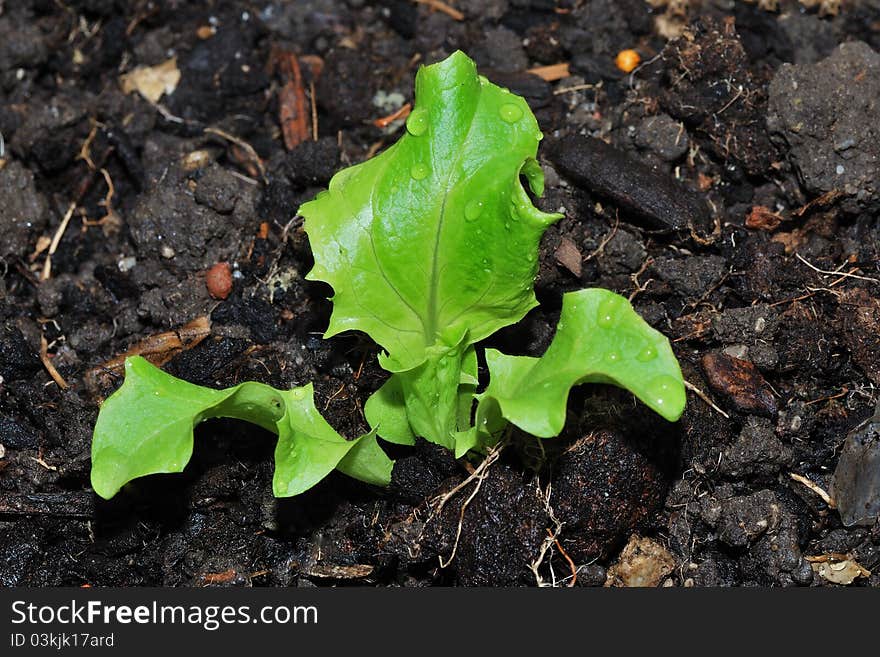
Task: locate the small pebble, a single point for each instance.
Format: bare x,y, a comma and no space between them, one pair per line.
740,383
125,264
219,280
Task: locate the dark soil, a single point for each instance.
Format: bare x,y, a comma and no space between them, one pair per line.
730,186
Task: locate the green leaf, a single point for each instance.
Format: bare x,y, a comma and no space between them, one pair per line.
385,411
435,237
309,449
599,339
146,427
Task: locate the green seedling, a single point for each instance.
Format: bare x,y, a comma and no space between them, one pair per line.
430,247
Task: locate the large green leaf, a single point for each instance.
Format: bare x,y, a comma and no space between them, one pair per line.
435,240
599,339
146,427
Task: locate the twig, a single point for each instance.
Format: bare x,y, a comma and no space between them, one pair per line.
314,103
640,287
385,121
827,398
576,87
452,12
165,112
47,265
243,144
334,396
292,102
815,488
837,272
551,73
47,363
731,101
599,249
702,395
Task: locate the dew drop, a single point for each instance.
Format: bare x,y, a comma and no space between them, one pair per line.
647,354
419,171
417,122
664,391
608,313
298,394
510,113
473,210
612,357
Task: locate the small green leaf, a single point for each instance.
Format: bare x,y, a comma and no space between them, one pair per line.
436,236
146,427
599,339
385,411
309,449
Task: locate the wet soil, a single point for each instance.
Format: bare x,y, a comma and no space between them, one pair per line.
728,186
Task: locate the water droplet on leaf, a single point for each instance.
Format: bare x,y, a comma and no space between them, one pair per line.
663,391
473,210
419,171
510,113
609,311
646,354
417,122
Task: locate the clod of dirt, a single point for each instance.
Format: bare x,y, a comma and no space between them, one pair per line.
749,324
23,212
744,519
218,189
415,476
628,182
712,89
855,485
767,530
218,280
643,563
740,383
829,116
18,360
693,276
664,136
168,222
602,489
501,49
749,334
501,532
345,88
51,133
312,163
860,313
22,44
757,452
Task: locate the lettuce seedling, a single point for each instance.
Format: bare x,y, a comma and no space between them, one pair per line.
430,247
